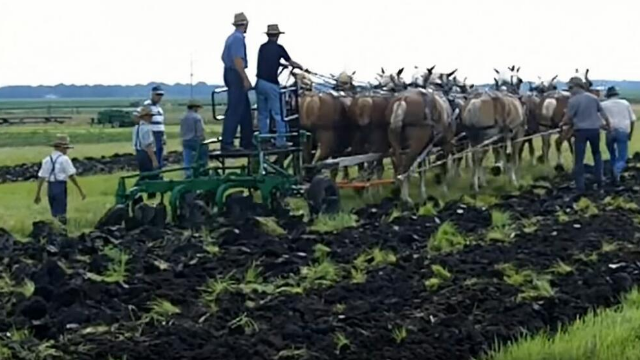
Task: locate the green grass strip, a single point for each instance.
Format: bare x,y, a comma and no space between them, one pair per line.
601,334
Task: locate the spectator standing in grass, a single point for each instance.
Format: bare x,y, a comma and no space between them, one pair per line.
268,86
157,122
622,120
585,114
56,169
144,142
192,134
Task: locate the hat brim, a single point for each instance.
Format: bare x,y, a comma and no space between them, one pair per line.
158,93
274,33
240,23
60,145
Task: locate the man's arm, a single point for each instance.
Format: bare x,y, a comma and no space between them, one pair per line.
200,128
237,51
605,117
39,190
148,144
632,118
287,58
74,180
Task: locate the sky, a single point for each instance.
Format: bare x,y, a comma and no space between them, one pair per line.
140,41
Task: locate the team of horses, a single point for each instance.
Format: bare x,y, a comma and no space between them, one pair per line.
432,111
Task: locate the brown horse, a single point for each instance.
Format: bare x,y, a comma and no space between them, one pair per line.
368,111
325,116
489,114
416,118
551,110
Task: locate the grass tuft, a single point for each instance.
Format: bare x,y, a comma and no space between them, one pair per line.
447,239
334,223
585,207
502,228
428,209
532,286
560,268
270,226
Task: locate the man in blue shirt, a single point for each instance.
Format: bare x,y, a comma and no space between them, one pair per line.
268,86
238,111
586,115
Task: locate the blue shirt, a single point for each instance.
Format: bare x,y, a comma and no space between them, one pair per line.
234,47
269,61
142,136
585,109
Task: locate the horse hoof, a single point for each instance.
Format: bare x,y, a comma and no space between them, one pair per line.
496,170
540,160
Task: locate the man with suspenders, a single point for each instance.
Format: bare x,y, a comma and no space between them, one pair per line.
56,169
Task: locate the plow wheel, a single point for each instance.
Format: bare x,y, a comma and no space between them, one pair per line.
238,206
323,196
193,212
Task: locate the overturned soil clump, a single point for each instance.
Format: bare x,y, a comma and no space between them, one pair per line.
85,166
370,292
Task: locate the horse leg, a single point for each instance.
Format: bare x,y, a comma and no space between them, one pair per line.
546,145
423,182
532,152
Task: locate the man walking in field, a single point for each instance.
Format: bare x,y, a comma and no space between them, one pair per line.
238,113
268,86
157,122
56,169
585,114
192,134
622,121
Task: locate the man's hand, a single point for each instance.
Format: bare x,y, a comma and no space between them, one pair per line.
247,84
83,195
154,163
37,200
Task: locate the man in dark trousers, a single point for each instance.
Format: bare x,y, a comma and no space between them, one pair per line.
585,114
268,86
238,113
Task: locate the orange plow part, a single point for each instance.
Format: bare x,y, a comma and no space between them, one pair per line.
363,184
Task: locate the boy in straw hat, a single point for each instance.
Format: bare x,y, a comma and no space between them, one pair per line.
238,113
56,169
143,141
268,86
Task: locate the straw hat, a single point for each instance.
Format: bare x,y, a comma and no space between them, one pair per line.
273,29
240,19
193,103
577,82
62,141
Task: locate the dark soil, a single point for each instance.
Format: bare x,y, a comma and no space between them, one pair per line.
85,166
461,320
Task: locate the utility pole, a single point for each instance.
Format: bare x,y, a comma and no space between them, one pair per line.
191,80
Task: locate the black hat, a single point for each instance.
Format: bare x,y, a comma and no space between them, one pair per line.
611,92
157,90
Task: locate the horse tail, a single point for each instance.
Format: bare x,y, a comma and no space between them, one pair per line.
548,107
398,112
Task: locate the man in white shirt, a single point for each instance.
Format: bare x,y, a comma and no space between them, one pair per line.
622,120
157,121
56,169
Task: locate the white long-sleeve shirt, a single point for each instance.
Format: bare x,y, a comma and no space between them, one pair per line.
157,122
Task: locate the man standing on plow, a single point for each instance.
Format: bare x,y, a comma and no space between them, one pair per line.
157,122
585,115
238,113
268,86
622,121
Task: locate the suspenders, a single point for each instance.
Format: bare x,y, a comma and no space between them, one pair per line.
137,142
53,167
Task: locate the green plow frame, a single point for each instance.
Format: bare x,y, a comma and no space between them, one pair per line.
273,179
